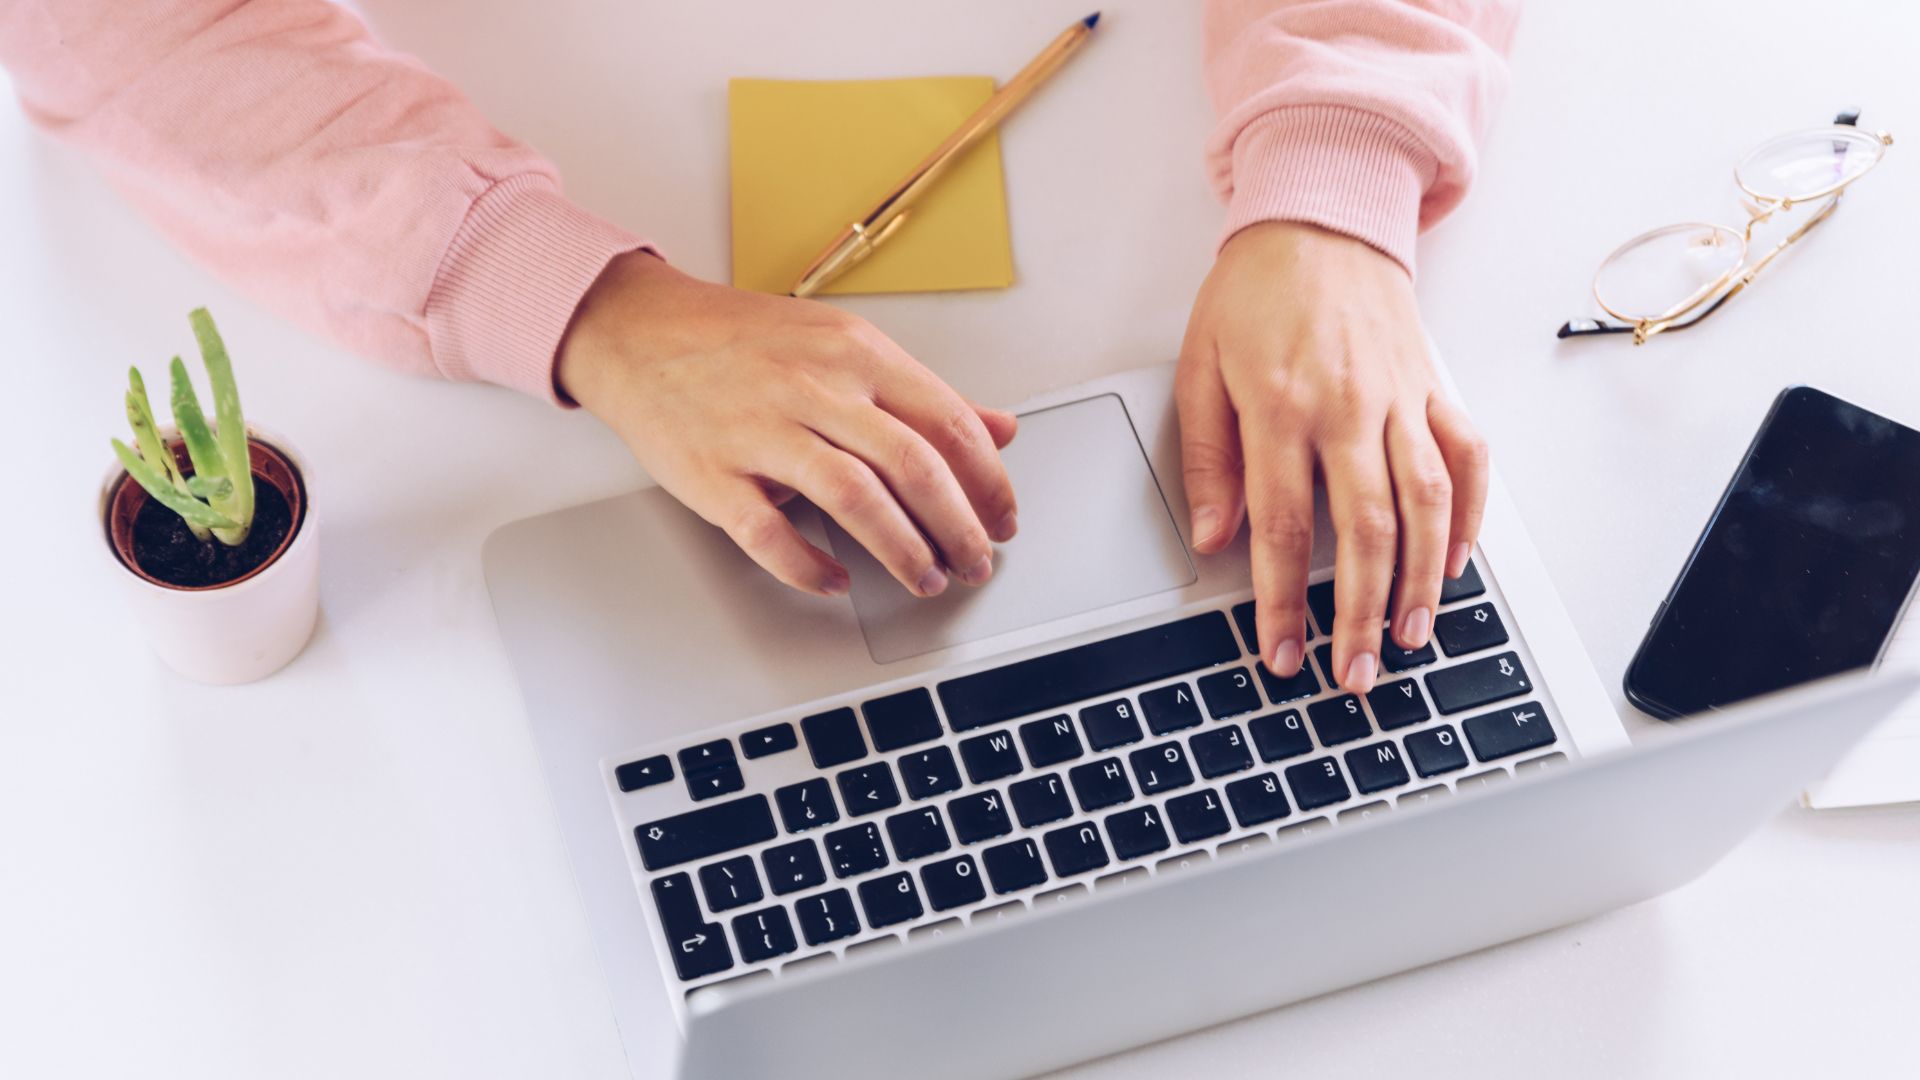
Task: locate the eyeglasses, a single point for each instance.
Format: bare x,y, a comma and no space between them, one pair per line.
1674,277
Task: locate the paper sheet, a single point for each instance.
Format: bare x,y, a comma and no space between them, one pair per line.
1885,767
808,158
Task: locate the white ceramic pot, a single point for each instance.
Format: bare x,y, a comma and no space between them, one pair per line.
232,633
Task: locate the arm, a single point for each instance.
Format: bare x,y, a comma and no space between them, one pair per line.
343,185
1346,126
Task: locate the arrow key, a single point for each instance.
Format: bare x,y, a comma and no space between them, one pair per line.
699,948
768,740
646,772
1509,731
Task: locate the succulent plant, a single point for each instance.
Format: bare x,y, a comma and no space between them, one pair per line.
216,501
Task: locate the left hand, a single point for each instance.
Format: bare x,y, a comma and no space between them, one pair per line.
1304,348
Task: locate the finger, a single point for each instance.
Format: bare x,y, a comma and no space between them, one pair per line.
921,481
750,519
1360,496
1279,488
1465,453
1210,456
849,492
958,434
1002,425
1423,494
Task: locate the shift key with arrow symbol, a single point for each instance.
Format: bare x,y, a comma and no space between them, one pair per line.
1478,682
699,948
1469,629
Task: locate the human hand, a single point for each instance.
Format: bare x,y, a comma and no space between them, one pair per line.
733,401
1305,347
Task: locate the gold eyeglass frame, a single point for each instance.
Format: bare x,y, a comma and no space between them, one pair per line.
1760,208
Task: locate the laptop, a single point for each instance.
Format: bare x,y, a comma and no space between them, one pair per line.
1012,828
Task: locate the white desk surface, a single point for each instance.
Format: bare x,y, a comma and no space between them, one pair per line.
349,869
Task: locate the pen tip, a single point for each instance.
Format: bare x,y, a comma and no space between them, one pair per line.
1090,20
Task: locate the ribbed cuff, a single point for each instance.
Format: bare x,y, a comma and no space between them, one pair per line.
1341,168
510,281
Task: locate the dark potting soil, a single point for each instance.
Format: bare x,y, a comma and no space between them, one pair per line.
165,548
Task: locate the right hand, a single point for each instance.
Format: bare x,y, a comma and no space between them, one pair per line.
733,401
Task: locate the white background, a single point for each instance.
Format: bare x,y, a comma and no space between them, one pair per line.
349,869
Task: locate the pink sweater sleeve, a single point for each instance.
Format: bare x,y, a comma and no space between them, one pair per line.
1360,116
340,183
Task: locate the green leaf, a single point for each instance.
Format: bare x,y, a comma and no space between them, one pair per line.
201,447
209,489
189,509
145,433
232,424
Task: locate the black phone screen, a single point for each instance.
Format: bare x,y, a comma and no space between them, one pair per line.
1803,568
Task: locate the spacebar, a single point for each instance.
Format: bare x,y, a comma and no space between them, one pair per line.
1047,682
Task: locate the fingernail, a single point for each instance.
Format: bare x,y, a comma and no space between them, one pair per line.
933,582
1359,678
979,572
1206,523
836,583
1008,525
1413,627
1457,560
1286,659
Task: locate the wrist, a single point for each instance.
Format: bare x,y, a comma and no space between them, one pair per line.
604,319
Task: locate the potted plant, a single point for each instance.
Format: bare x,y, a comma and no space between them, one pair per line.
213,528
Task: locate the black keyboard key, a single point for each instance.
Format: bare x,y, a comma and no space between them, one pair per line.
1249,628
868,789
1229,693
1110,724
1320,599
1075,849
709,830
1197,817
1040,799
903,719
929,772
711,770
890,899
705,755
990,757
761,742
1478,682
1324,653
1317,783
764,934
952,883
833,738
1509,731
979,816
1100,784
1466,585
1396,659
1088,671
699,947
793,867
1338,720
1221,751
1293,688
827,916
1161,768
1436,751
1469,629
1050,741
855,850
1015,866
917,834
806,805
1397,704
644,773
1137,832
1257,800
1376,767
1280,735
1170,708
731,883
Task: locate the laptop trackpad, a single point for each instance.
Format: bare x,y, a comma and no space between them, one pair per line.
1094,530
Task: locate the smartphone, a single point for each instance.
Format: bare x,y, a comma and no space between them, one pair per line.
1803,569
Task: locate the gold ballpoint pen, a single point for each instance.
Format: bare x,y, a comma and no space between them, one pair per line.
858,240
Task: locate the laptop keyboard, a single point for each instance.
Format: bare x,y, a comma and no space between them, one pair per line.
976,797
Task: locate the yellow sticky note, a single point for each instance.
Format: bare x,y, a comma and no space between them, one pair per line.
809,158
